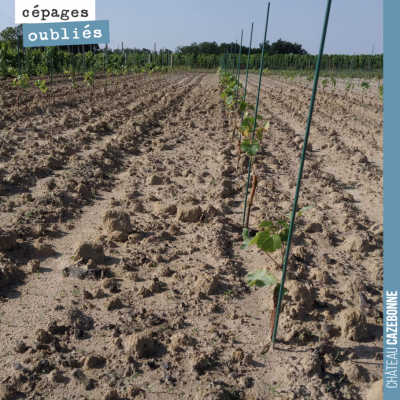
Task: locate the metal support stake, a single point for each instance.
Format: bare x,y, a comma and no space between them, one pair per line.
303,157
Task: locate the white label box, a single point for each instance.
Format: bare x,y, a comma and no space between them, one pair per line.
43,11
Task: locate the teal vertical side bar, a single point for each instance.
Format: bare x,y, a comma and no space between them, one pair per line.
256,111
391,194
303,157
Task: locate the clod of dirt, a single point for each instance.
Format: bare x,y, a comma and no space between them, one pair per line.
43,336
154,180
311,364
82,189
210,212
376,391
164,208
362,159
244,164
248,359
82,379
94,362
199,362
319,275
179,341
238,355
356,244
351,370
99,293
7,239
138,207
222,191
136,392
117,225
314,227
368,309
112,394
20,347
300,294
79,320
7,392
140,344
188,213
114,303
206,284
163,271
56,329
212,393
43,250
56,376
33,266
353,324
89,250
354,287
107,283
174,230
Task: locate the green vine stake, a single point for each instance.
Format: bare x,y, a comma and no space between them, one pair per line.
273,237
245,93
248,208
251,145
303,157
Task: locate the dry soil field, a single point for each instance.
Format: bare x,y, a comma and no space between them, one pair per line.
121,274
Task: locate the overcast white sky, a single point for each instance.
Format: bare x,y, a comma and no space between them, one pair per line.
354,26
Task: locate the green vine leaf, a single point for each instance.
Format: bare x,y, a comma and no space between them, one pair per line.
261,278
269,243
266,224
250,148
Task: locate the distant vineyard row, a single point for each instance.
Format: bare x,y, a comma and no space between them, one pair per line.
35,62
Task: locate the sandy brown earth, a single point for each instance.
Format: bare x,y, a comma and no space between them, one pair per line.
121,274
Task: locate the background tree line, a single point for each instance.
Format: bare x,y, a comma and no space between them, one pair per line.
12,35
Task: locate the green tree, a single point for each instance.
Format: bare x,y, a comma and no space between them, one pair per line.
11,35
284,47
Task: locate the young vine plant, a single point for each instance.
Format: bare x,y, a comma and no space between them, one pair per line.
271,237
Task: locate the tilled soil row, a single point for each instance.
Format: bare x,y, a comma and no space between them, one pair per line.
139,288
